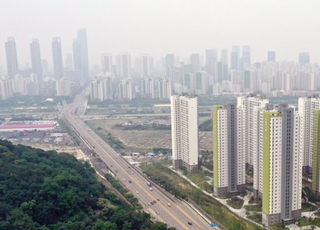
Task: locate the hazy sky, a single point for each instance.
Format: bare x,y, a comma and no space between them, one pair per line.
158,27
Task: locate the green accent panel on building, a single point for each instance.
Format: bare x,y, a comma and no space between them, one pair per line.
315,165
266,161
215,144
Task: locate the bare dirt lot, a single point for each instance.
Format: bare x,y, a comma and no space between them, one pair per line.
143,140
60,149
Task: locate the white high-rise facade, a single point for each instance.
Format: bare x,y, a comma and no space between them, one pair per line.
164,89
126,90
6,88
63,87
147,88
280,165
184,130
228,159
250,106
307,107
125,65
102,88
106,62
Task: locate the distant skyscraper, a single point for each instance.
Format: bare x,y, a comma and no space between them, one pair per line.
106,62
170,60
195,62
224,60
83,48
228,158
125,65
304,58
211,59
234,65
184,130
224,56
57,58
12,60
146,65
77,58
44,65
271,56
170,64
246,57
69,64
36,58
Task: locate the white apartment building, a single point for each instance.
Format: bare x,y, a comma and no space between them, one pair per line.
250,106
147,88
281,165
228,159
124,65
307,107
63,87
184,130
102,88
164,89
126,90
6,88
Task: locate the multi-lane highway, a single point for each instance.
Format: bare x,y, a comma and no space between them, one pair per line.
179,215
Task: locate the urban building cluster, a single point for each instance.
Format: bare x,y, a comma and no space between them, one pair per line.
278,142
218,75
120,78
37,79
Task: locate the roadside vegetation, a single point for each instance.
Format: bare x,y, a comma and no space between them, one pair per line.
256,217
198,176
72,134
306,207
182,189
235,202
309,222
107,136
254,208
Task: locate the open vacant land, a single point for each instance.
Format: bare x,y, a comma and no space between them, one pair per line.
143,140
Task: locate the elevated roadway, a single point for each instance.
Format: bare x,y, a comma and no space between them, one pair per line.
178,215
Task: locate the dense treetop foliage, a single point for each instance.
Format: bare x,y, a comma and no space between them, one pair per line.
45,190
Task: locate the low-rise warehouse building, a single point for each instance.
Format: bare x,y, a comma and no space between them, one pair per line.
11,128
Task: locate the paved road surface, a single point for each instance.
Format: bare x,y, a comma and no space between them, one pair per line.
178,215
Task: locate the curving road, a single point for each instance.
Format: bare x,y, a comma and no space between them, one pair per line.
178,215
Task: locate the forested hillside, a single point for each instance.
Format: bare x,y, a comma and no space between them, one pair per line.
45,190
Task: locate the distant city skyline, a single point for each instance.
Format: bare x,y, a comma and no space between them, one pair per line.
161,27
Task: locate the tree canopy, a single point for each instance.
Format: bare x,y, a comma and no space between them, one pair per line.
45,190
